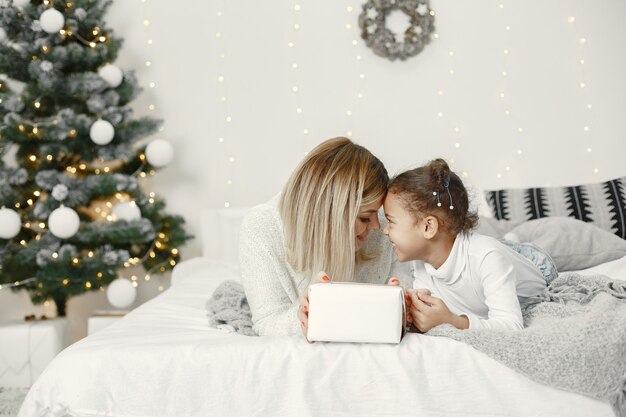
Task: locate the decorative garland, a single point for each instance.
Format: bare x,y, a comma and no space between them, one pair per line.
392,45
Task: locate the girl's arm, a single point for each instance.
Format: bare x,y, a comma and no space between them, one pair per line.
267,280
498,278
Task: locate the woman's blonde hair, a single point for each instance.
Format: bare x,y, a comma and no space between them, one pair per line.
320,203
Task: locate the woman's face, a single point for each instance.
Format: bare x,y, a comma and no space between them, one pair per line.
366,220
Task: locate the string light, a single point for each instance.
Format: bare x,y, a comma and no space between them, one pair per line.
582,84
296,73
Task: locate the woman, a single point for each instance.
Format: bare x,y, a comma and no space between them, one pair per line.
326,219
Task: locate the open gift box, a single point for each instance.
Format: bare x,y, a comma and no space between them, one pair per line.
356,312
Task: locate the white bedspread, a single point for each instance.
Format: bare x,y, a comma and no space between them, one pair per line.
163,360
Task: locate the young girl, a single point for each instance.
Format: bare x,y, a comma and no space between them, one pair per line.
460,277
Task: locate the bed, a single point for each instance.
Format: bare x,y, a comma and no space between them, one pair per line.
163,359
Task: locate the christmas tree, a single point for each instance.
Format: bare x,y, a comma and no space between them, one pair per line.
73,214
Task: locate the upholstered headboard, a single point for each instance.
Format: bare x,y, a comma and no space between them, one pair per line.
220,233
220,241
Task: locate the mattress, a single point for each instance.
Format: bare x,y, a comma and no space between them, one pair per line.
163,359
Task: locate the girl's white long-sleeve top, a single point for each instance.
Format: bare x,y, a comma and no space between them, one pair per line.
482,279
272,286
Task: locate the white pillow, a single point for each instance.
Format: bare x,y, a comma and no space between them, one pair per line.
490,226
572,244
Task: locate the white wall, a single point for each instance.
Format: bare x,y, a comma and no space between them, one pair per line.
193,43
397,116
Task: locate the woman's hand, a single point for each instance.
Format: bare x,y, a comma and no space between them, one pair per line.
303,310
393,281
428,311
409,303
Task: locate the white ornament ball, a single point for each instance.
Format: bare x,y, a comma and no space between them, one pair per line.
3,35
52,20
10,223
101,132
121,293
21,3
127,210
63,222
112,74
159,153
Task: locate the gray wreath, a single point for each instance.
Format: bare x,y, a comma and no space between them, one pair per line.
385,42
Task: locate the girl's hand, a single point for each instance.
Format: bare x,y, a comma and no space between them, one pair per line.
303,310
421,292
428,311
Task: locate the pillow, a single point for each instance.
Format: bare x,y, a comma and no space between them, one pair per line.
490,226
603,204
572,244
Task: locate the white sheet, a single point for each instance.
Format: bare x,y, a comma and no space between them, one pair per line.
163,360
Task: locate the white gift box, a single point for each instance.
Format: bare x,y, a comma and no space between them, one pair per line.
26,348
355,312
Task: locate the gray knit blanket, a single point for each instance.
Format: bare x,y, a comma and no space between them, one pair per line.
228,309
574,338
574,335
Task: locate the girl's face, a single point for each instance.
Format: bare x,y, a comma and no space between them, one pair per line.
366,219
403,230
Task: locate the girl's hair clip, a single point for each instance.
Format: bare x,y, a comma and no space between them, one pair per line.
446,185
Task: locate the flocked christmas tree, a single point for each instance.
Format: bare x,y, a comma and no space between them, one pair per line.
73,214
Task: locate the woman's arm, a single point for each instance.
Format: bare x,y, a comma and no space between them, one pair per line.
269,283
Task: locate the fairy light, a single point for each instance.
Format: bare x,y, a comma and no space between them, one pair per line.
581,43
357,83
221,35
503,91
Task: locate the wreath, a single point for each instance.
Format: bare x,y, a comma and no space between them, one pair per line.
392,45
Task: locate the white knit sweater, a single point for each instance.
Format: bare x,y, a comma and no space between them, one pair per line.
272,287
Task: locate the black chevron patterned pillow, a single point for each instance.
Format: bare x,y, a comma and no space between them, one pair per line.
602,204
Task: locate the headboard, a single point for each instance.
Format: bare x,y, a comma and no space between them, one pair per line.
220,233
220,241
